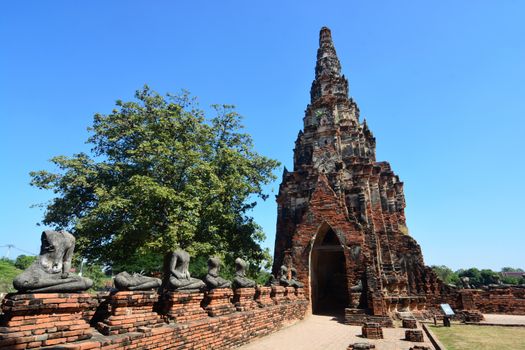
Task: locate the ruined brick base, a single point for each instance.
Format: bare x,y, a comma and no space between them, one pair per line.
360,346
289,294
36,320
278,294
218,302
372,330
414,335
470,316
356,317
182,307
243,298
299,293
410,323
263,296
509,300
130,311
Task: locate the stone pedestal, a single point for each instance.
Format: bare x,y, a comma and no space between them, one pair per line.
361,346
372,330
414,335
263,296
218,302
467,299
278,294
243,298
130,311
410,323
472,316
289,294
43,319
183,307
299,293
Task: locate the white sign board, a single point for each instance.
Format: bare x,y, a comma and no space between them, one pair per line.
447,309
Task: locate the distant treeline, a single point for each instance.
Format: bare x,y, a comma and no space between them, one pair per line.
479,278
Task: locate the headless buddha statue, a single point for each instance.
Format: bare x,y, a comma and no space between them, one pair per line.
240,280
177,276
50,272
126,281
212,279
293,281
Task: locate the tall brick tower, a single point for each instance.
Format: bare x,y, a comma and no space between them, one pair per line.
341,219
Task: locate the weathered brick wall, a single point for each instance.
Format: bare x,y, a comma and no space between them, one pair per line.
510,301
26,324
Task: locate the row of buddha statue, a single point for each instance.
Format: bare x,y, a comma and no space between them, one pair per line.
50,272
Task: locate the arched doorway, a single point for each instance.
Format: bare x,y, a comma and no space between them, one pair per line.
328,284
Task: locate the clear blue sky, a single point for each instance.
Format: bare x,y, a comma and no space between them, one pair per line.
441,84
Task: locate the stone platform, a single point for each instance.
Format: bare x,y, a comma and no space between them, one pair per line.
218,302
43,319
183,307
130,311
263,296
244,299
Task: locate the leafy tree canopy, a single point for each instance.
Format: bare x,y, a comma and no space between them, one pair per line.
446,274
22,261
161,175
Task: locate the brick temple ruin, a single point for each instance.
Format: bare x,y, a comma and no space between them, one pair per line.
340,223
341,219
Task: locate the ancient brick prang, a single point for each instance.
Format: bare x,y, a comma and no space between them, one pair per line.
341,219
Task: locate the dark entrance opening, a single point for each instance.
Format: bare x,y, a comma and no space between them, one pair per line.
328,274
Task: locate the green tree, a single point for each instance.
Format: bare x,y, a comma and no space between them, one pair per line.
446,274
511,269
488,277
511,280
473,274
22,261
161,175
97,275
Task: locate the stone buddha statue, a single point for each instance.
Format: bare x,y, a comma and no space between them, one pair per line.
293,281
283,277
50,272
127,281
177,276
240,280
212,279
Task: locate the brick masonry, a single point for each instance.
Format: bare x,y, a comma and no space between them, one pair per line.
219,302
37,320
244,299
410,323
338,189
40,320
263,296
372,330
509,300
130,312
414,335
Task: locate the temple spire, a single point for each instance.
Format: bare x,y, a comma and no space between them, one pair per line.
328,80
327,61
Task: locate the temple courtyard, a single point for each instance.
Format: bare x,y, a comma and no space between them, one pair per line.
327,333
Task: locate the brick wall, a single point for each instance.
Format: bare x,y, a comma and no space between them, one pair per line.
26,324
510,301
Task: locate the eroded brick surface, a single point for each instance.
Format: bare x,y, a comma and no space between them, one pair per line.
337,185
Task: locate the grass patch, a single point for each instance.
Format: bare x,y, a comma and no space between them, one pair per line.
467,337
8,272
